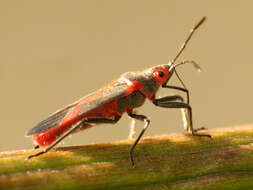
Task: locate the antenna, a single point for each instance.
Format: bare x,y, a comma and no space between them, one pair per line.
188,39
183,47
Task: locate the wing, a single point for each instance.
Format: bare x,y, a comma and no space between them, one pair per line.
51,122
82,106
102,97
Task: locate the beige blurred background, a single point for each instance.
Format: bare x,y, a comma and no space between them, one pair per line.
54,52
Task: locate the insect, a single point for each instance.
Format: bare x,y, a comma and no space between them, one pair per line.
108,104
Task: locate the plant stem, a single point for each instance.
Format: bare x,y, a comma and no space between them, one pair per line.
173,161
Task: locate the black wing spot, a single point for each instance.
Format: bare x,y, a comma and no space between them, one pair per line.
49,123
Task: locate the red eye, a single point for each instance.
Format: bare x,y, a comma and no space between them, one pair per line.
160,74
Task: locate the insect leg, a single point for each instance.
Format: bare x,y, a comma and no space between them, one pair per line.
175,98
36,147
147,121
101,120
169,98
78,124
89,122
132,130
179,88
162,103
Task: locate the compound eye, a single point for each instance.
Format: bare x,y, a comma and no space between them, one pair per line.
161,74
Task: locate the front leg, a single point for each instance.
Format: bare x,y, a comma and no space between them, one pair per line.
167,103
180,89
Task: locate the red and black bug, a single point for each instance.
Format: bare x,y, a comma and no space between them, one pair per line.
109,103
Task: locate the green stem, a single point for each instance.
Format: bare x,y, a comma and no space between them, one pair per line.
174,161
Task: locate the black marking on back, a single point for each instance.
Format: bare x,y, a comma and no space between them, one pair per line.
108,95
49,123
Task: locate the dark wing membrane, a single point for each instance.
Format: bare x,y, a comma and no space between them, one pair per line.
51,122
102,97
